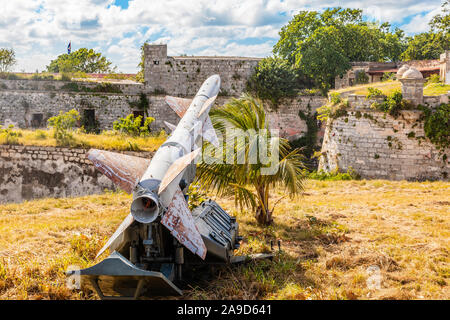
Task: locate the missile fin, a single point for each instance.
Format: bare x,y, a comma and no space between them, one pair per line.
207,105
125,171
117,234
178,219
209,133
176,169
179,105
172,127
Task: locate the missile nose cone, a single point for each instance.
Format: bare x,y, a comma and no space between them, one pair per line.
211,86
216,79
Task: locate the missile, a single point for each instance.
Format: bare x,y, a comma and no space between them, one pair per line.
155,184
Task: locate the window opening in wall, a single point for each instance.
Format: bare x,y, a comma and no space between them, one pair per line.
156,62
89,117
37,120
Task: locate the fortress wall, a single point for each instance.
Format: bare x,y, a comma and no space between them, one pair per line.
70,86
19,107
183,76
29,172
381,147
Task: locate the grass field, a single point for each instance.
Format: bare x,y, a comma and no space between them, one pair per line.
387,87
332,238
108,140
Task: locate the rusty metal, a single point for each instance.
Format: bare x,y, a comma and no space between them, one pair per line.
123,170
179,105
178,219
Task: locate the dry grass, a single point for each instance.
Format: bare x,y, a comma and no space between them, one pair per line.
331,236
108,140
387,87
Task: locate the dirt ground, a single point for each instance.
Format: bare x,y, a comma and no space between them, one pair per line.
340,240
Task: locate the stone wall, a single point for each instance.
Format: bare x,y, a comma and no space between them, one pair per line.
183,76
287,118
71,86
28,172
378,146
20,107
444,67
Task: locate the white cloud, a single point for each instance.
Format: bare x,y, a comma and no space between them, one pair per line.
39,30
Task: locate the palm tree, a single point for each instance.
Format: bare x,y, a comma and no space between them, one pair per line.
248,180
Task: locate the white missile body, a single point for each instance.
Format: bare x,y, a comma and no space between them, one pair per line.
155,186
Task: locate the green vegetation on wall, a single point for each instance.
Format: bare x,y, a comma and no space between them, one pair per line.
308,142
437,126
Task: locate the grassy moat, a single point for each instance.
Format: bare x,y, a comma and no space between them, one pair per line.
333,237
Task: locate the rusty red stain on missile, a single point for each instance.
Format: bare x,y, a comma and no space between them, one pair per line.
178,219
179,105
124,170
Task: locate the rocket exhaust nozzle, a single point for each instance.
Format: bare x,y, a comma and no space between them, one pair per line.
145,207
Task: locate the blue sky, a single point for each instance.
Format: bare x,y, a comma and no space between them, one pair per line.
39,30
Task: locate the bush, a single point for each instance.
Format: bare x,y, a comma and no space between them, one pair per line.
392,104
434,78
388,76
334,175
133,126
275,79
337,107
374,92
361,77
62,125
11,136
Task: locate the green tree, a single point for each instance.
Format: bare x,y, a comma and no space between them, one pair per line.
322,57
82,60
426,45
275,78
441,22
247,179
7,59
305,23
323,44
429,45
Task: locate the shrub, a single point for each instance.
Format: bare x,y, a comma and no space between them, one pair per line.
11,136
374,92
334,175
337,107
361,77
387,76
434,78
62,125
133,126
392,104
